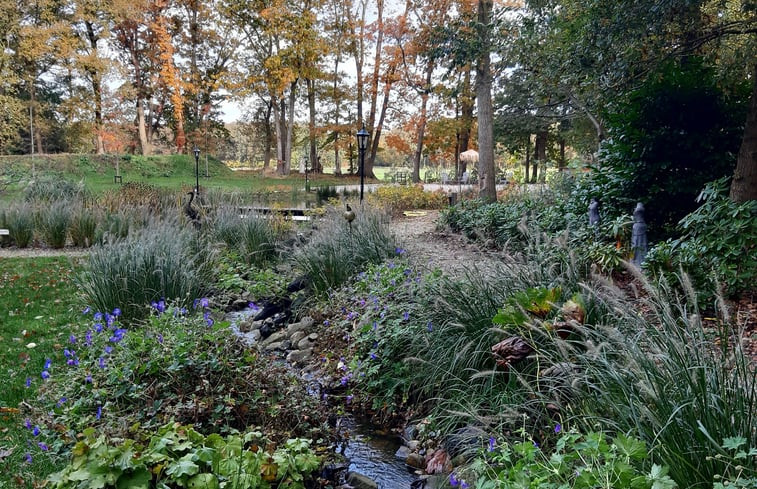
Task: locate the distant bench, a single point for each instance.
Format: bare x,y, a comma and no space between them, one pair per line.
3,233
293,214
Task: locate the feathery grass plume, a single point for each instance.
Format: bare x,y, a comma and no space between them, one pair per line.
53,222
53,188
160,261
20,222
337,250
652,366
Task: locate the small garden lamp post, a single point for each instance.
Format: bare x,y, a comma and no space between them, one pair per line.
362,144
197,170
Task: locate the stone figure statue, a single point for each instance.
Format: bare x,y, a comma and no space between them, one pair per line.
594,213
639,243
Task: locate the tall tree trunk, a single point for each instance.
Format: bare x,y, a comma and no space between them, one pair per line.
487,189
278,120
314,163
144,143
290,129
466,117
96,81
374,143
540,153
373,131
528,158
422,124
268,135
744,183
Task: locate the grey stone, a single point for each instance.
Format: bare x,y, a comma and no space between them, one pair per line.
304,344
276,337
296,337
305,323
359,481
435,481
279,345
402,453
413,445
298,356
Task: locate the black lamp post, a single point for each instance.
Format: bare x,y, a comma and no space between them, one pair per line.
197,170
362,144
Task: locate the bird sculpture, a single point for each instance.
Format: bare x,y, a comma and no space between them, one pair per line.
189,210
349,215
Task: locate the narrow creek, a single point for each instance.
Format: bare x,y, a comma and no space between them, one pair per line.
369,452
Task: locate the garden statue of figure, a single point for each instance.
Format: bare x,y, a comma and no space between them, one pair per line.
594,213
639,243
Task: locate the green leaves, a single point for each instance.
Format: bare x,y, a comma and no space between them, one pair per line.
179,456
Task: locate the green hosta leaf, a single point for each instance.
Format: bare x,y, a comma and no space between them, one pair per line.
139,479
203,481
184,466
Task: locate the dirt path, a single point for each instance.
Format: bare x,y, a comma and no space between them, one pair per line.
430,247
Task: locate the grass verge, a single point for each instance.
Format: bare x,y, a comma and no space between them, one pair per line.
40,303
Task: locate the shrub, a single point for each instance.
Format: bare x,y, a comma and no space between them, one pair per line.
20,222
337,249
719,241
161,261
53,222
397,199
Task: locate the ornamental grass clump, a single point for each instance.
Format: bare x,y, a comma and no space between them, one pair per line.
20,222
160,261
53,222
339,249
83,227
253,236
659,367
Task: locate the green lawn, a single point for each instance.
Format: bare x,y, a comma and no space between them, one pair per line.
39,309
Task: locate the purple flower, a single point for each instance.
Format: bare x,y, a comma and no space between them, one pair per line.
27,424
464,485
72,339
492,443
45,374
349,398
326,322
86,310
558,428
28,458
73,362
98,316
453,480
28,382
254,307
116,312
88,337
101,362
62,401
99,412
208,319
108,350
204,302
48,363
88,379
430,326
373,356
109,320
536,444
43,446
160,338
98,327
399,251
406,315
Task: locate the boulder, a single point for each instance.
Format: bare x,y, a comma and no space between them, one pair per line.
277,337
299,356
416,461
359,481
296,337
402,453
304,324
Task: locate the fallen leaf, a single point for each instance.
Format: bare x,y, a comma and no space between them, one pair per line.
4,453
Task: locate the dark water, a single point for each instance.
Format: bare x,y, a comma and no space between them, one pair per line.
372,455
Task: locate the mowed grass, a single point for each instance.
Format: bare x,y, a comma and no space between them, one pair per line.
39,306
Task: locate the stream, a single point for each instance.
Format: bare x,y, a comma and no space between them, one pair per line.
369,453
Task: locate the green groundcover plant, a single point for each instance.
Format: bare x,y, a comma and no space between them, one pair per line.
178,456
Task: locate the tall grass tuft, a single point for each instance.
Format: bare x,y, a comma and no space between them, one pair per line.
53,188
20,222
338,250
654,366
160,261
53,222
253,236
83,228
